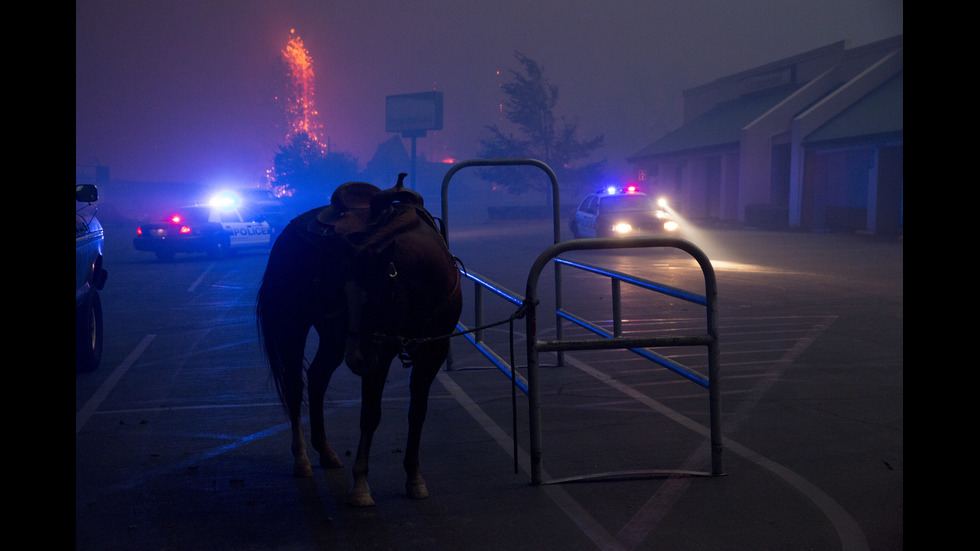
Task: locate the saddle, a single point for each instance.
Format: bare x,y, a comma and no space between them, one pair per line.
349,209
358,211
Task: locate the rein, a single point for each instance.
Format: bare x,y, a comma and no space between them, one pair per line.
518,314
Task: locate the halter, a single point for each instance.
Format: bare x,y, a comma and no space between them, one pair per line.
407,345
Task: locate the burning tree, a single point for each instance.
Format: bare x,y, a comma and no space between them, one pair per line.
304,169
297,102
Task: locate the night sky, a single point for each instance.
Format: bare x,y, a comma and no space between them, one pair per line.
183,90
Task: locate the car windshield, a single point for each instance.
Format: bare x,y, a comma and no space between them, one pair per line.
625,203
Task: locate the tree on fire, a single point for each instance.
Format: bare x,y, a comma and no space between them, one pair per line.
530,105
306,174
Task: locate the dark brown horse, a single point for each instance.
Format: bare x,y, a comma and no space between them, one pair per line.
372,274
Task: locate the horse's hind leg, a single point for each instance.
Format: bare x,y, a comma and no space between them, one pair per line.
329,355
294,403
291,358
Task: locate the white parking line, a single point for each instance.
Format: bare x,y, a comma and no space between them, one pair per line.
648,517
200,278
573,510
95,401
851,536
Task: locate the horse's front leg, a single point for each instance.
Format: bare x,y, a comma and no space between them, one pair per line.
372,387
421,382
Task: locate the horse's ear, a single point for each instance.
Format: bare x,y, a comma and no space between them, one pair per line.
401,181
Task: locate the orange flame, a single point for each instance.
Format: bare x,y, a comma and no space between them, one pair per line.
300,108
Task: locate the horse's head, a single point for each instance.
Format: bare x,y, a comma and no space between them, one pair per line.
377,304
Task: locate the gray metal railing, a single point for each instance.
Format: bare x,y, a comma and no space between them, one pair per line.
615,340
476,336
616,280
477,339
530,386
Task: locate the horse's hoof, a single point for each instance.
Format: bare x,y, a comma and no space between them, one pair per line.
417,491
302,468
415,488
331,461
360,493
358,499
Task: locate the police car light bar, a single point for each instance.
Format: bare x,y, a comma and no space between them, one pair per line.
225,200
613,190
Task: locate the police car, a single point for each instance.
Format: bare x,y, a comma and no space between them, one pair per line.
617,212
217,229
260,202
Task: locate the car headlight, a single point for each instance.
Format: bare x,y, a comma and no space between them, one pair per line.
670,225
622,228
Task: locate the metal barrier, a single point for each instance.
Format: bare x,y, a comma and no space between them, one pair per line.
616,280
485,283
503,162
617,341
531,385
475,336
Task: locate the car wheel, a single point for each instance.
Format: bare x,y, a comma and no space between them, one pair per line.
602,229
88,333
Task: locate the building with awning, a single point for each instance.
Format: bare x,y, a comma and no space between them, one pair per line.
813,141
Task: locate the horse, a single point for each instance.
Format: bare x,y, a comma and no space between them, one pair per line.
372,273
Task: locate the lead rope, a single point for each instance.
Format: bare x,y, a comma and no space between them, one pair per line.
513,396
405,358
415,342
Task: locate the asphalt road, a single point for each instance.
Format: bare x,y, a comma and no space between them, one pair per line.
180,443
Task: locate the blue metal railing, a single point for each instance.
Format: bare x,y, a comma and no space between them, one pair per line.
616,278
708,339
607,340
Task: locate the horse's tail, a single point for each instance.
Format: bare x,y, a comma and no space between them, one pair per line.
267,341
290,298
267,316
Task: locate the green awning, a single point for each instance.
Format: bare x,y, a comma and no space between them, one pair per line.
721,125
881,112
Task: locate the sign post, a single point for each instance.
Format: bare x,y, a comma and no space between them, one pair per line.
412,115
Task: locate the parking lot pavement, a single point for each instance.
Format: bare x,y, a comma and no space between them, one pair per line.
812,418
